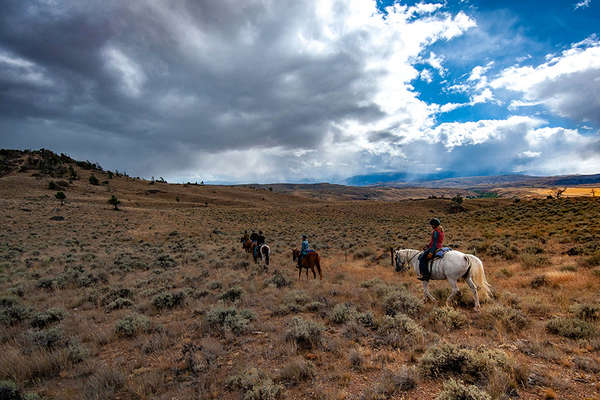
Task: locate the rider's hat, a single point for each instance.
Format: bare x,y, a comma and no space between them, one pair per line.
435,222
260,232
304,237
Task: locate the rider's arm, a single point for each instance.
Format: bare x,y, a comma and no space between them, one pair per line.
436,237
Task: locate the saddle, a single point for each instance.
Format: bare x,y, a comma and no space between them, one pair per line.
439,254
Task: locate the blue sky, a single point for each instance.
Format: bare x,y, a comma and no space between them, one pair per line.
318,90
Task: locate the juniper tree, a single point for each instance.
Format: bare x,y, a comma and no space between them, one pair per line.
114,201
60,196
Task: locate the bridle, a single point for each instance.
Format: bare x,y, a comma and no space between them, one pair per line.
408,260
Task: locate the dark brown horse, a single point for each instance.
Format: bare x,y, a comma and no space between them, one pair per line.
247,245
310,260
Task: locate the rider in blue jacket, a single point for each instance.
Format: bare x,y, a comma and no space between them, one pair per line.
303,250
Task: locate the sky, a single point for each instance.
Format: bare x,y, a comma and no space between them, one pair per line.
305,91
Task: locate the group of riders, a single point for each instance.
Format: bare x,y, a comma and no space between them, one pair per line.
429,253
257,240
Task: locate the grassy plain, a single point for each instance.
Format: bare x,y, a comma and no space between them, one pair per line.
158,301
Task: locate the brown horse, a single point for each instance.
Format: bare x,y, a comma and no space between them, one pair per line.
310,260
247,245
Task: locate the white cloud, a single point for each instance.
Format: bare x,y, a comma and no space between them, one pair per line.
20,69
436,62
582,4
567,83
426,75
131,74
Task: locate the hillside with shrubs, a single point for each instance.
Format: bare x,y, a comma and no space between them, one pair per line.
127,288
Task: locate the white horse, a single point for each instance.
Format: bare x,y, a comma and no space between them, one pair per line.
453,266
264,254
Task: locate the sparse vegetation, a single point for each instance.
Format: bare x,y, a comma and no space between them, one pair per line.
161,301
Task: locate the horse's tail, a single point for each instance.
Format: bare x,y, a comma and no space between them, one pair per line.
392,254
267,255
485,289
318,265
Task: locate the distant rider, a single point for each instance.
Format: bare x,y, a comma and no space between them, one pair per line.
437,239
253,236
304,250
260,240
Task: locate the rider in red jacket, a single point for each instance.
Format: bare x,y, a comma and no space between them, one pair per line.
437,239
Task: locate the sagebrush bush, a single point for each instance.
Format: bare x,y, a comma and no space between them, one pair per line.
539,281
399,331
254,384
118,304
356,360
573,328
530,261
512,319
232,294
342,313
472,365
48,338
14,314
448,317
116,293
296,371
278,280
48,317
104,383
367,319
221,318
391,384
456,390
586,312
304,333
132,325
402,301
168,299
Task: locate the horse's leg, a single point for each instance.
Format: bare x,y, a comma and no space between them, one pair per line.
318,263
471,284
427,293
300,273
453,292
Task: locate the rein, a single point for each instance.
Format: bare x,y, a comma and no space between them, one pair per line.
408,260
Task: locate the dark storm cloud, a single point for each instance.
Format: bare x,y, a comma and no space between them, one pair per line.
194,76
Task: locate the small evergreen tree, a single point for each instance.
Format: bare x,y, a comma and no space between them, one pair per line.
458,199
110,175
72,173
114,201
94,180
60,196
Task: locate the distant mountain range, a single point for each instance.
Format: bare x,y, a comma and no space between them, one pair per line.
401,180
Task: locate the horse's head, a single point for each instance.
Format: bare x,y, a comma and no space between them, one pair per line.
401,260
295,254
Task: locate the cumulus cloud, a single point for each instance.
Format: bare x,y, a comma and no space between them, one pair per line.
567,84
264,90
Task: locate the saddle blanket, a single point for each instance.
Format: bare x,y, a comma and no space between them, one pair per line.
440,253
